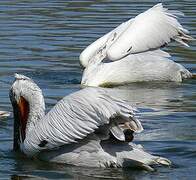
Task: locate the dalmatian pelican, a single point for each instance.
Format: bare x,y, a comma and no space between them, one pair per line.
86,128
132,51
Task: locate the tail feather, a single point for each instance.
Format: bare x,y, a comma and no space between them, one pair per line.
135,125
123,119
163,161
139,158
117,132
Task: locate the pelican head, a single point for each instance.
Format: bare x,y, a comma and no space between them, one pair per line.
28,106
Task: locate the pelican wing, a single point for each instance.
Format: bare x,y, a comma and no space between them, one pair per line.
149,30
78,115
89,52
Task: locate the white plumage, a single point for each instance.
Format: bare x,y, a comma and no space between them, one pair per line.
134,46
76,116
77,130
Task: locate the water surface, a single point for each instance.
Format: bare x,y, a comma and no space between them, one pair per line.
43,39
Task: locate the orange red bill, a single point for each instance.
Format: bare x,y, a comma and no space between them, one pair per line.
23,107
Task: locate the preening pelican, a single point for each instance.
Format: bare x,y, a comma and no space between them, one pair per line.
87,128
131,52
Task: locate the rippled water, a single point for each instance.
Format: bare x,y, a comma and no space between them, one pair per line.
43,39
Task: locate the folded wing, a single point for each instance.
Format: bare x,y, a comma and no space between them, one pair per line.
78,115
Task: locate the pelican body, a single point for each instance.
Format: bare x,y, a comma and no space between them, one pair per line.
87,128
131,52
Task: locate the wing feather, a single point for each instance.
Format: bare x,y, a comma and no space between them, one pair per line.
150,30
88,53
75,117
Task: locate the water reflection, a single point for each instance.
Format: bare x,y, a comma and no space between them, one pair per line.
42,170
43,39
149,94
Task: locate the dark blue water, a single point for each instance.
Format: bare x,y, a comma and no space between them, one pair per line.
43,39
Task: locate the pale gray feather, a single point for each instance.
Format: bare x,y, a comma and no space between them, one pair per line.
91,152
76,116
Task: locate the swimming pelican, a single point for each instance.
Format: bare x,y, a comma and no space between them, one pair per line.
87,128
131,52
